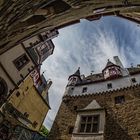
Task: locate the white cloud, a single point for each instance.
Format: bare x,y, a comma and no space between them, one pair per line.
87,45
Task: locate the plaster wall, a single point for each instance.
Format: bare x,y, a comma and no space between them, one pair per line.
102,86
7,59
30,101
31,40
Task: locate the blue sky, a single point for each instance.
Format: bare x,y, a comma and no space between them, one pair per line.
88,45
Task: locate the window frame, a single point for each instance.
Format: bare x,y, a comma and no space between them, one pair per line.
35,124
109,85
133,80
119,101
91,123
18,59
70,130
17,94
26,114
84,89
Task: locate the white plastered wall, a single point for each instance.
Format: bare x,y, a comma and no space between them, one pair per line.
7,59
102,86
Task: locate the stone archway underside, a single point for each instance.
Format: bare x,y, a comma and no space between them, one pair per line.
23,18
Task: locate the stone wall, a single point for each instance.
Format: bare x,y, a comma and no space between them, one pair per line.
122,120
8,131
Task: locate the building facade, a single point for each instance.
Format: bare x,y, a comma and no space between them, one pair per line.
24,98
102,106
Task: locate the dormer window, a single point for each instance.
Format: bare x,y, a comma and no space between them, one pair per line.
89,124
84,90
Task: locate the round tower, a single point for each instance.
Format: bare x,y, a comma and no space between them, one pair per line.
74,78
72,81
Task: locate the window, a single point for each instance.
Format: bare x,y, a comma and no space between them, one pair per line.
26,88
21,61
26,114
89,124
72,88
74,79
75,107
119,99
34,124
84,89
21,76
109,85
17,94
71,129
133,80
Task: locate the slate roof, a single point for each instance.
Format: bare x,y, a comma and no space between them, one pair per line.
133,70
109,64
77,73
94,78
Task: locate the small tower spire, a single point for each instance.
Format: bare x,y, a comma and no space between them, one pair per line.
75,78
72,81
77,73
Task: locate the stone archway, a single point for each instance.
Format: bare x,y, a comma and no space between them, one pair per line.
23,19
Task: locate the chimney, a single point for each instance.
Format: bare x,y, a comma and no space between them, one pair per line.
82,76
118,61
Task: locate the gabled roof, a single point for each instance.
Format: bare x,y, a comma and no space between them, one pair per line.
94,105
77,72
109,64
133,70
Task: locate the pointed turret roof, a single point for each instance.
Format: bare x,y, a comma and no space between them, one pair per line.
77,73
109,64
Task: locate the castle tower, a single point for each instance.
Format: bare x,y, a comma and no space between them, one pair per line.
74,78
111,71
72,81
92,107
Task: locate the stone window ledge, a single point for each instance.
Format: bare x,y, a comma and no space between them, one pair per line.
86,134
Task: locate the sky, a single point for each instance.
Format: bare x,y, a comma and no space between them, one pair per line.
88,45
